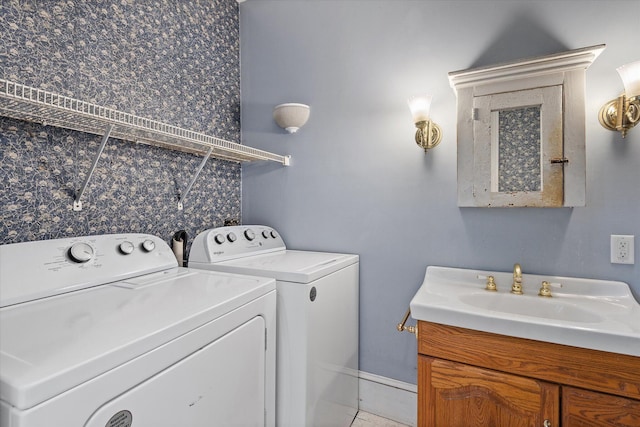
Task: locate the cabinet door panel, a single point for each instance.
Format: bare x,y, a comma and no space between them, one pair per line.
582,408
516,134
461,395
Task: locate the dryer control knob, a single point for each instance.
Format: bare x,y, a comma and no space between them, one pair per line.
148,245
219,239
274,234
232,237
126,247
266,234
80,252
249,234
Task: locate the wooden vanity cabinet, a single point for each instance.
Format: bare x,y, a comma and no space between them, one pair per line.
472,378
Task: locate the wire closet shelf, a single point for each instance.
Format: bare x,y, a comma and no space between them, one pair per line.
36,105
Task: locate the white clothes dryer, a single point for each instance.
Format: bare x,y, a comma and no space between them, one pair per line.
106,331
317,319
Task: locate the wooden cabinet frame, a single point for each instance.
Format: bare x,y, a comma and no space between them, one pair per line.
614,378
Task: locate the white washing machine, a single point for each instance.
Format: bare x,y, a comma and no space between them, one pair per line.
107,331
317,312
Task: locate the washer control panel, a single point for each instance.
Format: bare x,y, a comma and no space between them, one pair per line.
33,270
225,243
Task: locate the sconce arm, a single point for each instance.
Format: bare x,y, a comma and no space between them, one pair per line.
620,114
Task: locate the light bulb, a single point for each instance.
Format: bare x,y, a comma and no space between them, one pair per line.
420,106
630,75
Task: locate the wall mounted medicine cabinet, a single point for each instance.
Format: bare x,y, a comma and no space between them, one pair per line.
521,131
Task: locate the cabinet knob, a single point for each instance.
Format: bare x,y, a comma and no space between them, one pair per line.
546,423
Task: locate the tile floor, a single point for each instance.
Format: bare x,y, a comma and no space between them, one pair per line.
365,419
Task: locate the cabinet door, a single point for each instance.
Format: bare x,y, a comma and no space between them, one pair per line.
518,146
453,394
582,408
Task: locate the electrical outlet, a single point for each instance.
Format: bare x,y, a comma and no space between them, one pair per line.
622,249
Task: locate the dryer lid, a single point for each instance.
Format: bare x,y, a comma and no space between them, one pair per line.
53,344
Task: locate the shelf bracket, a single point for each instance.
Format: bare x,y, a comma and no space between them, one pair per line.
77,203
184,196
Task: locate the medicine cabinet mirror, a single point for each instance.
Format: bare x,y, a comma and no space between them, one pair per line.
521,131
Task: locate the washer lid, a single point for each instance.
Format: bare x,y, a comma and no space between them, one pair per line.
287,265
51,345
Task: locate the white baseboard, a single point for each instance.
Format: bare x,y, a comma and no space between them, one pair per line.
388,398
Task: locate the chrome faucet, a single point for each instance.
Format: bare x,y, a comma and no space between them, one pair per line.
516,286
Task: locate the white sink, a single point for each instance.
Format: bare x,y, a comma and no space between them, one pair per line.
587,313
528,306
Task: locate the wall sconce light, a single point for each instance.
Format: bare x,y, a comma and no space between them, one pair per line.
428,134
291,116
623,113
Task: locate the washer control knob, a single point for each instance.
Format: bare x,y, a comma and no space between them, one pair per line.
232,237
126,247
219,239
80,252
148,245
266,234
249,234
274,234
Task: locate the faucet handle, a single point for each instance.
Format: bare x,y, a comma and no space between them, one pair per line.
491,284
545,289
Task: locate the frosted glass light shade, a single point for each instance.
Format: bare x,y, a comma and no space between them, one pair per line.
630,75
420,107
291,116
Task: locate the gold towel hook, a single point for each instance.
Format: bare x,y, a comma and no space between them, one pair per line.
402,327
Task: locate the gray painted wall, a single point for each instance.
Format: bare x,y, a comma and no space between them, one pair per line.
358,183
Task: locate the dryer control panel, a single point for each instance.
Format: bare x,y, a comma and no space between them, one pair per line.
238,241
39,269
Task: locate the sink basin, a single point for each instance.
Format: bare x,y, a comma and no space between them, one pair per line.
587,313
530,306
